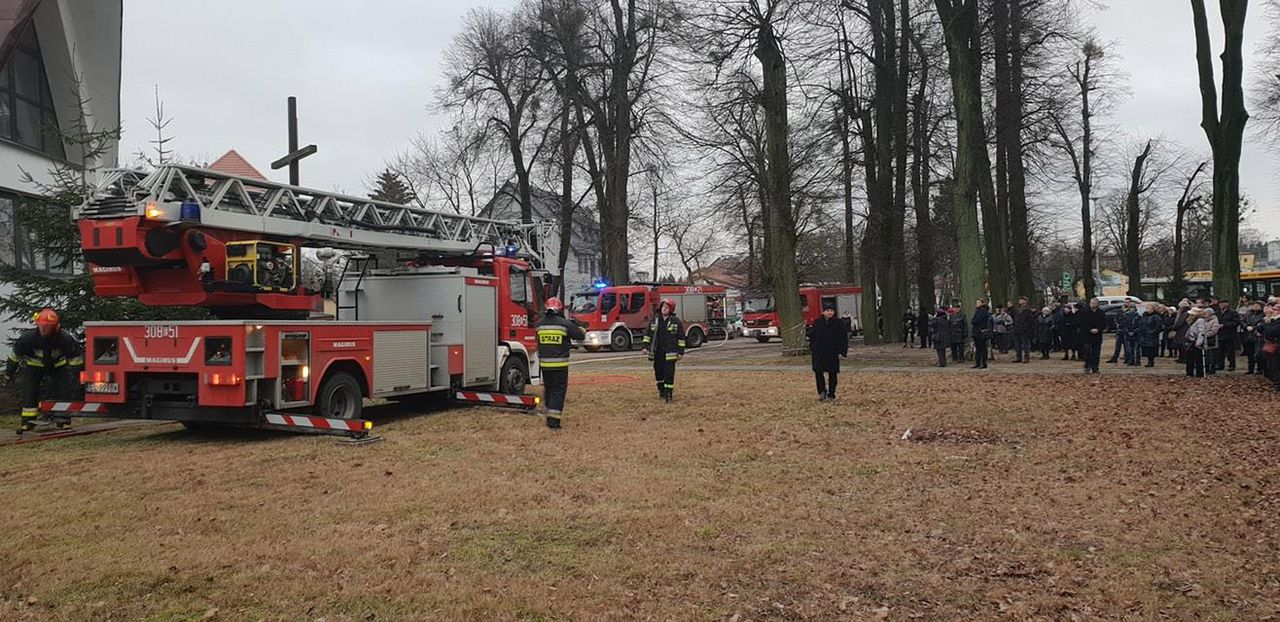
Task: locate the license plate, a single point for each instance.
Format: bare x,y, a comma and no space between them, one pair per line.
102,387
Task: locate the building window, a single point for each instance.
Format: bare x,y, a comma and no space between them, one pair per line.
17,245
26,108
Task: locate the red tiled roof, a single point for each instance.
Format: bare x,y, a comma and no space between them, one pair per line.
233,163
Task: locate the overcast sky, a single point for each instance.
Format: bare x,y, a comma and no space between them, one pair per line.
365,74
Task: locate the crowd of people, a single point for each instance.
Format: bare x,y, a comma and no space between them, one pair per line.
1205,335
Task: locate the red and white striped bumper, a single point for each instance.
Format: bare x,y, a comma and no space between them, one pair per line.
79,409
525,402
319,424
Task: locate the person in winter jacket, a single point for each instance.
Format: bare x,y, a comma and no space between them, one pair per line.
664,343
1196,340
1269,340
940,329
923,322
1180,326
1228,336
556,335
1068,332
1250,324
1044,333
983,327
45,352
1151,328
1024,330
959,331
1212,331
828,343
1091,323
1002,327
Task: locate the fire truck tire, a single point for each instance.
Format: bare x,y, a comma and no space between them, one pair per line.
695,338
592,349
620,340
340,397
514,377
762,339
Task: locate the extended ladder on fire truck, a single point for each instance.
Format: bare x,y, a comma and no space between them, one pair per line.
158,236
180,193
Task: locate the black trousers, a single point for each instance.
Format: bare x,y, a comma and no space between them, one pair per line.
1252,356
957,351
34,377
1150,353
826,381
1226,353
942,356
664,372
980,351
555,382
1091,351
1195,361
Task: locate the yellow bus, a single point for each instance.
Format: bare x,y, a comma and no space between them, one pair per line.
1256,284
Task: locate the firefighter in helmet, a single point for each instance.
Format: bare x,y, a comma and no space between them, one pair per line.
45,352
555,336
664,343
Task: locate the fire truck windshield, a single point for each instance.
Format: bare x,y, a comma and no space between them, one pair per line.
758,305
583,303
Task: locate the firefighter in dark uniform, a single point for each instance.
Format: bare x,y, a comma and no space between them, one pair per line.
45,352
555,336
664,343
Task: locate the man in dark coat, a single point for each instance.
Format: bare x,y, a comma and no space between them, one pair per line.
1024,329
983,327
1151,329
1251,324
1228,336
1066,326
909,328
1045,331
828,343
940,328
1091,323
959,331
923,322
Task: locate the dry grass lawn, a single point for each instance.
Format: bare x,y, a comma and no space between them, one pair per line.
1015,498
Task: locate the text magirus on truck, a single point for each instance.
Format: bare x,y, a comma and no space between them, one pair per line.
456,316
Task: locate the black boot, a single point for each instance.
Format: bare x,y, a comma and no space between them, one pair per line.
553,421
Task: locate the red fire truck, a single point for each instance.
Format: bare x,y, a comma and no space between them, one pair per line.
456,316
616,316
760,315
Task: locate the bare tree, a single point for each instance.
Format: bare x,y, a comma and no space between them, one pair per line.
458,170
1076,137
1225,131
1191,199
492,73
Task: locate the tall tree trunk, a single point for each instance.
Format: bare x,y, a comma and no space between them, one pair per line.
1133,216
1009,125
960,27
920,188
1225,134
748,225
773,99
568,154
871,227
846,180
1085,181
1185,203
897,297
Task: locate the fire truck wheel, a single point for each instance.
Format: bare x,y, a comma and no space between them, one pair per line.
515,376
620,340
339,397
762,339
695,338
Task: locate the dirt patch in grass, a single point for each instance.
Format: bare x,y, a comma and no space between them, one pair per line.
1123,498
953,435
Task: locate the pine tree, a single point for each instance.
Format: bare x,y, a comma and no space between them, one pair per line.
48,231
391,188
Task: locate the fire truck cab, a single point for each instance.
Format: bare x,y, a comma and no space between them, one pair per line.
617,316
760,314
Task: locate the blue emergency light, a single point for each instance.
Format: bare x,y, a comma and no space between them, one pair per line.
190,211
